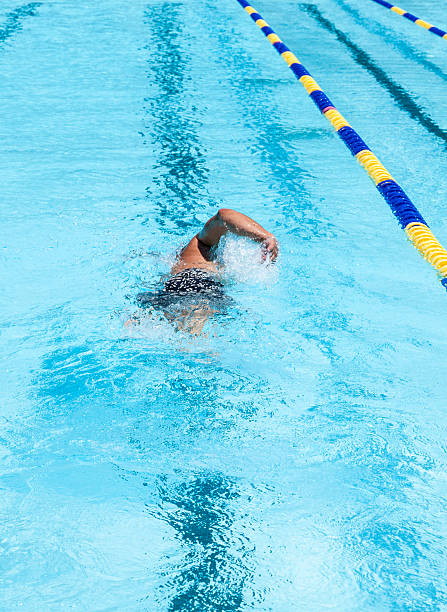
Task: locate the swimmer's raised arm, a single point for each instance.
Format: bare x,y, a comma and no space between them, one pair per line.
227,220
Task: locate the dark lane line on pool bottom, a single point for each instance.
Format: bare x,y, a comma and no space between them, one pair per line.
14,20
390,37
180,172
214,572
208,571
403,99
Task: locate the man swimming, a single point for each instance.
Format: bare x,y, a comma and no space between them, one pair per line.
195,273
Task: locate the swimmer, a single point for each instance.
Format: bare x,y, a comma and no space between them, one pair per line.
195,273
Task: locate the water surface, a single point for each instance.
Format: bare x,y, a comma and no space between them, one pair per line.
294,456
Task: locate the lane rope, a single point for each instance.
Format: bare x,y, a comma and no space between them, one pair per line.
413,18
404,210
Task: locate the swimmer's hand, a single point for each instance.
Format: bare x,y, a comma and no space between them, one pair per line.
270,248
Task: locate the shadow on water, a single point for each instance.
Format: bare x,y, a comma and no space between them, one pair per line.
390,35
15,18
180,174
403,99
212,575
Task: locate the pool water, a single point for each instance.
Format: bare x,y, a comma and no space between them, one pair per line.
293,456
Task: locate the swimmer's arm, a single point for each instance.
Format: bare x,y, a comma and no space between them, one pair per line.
227,220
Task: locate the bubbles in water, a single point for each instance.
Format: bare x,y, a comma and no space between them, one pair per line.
243,263
146,324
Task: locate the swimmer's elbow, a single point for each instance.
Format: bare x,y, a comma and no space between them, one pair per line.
227,219
214,229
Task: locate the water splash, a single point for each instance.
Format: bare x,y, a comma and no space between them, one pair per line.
243,263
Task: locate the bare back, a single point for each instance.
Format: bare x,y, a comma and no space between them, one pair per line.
196,254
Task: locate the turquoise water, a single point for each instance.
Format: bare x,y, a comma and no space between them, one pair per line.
292,458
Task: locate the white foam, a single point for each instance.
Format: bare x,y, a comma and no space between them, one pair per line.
243,262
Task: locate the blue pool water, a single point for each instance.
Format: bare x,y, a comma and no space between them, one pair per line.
292,458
